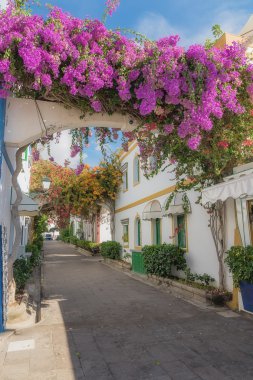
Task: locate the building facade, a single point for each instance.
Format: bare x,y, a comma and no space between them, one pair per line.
142,217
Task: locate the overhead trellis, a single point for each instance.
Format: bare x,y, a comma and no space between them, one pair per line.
178,95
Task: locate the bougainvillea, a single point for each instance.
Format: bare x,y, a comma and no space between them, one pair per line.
75,192
187,101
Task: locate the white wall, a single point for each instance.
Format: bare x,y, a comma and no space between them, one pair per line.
201,255
24,176
105,230
5,197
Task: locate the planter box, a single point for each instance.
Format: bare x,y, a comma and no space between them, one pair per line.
117,264
247,295
180,290
83,251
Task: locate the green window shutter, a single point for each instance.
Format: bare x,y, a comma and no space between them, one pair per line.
158,231
139,232
181,237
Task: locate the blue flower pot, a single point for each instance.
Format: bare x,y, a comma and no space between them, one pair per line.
247,295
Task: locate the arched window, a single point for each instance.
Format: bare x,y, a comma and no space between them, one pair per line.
178,208
153,212
138,232
136,170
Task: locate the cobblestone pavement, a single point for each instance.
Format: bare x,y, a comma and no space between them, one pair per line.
100,324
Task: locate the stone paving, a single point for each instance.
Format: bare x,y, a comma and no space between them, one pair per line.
100,324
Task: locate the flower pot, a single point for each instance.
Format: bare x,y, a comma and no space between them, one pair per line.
247,295
218,297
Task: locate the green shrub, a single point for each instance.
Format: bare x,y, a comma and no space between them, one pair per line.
110,249
204,279
85,244
65,234
94,247
73,240
22,270
240,263
160,259
35,258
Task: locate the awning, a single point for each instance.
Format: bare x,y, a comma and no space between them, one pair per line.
236,186
177,206
152,210
27,207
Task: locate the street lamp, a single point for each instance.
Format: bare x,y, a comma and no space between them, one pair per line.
46,182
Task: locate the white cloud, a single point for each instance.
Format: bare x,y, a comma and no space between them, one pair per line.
155,25
61,151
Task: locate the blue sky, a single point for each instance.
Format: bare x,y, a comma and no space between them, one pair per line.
191,19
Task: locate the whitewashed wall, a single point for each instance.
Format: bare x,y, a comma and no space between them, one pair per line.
24,176
5,197
105,230
201,255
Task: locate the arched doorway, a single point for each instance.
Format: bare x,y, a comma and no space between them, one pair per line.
22,122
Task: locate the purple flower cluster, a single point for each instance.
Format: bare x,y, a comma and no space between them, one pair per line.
35,154
183,92
111,6
74,150
79,169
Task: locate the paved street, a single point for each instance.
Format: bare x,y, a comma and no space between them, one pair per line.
100,324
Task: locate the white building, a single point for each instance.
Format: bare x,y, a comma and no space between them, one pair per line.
98,230
142,217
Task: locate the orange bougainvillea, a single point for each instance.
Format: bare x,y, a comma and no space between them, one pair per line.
71,194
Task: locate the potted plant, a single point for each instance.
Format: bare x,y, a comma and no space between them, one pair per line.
240,263
218,297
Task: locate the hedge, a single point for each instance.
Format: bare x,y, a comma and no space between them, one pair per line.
161,259
111,249
23,267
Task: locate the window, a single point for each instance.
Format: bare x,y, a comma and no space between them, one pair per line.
125,177
137,232
156,227
181,231
125,234
136,168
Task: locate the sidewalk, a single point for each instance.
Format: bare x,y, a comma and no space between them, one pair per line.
101,324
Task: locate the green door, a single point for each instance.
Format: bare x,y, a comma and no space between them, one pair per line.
181,237
138,263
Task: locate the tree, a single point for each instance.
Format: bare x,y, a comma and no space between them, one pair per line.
72,194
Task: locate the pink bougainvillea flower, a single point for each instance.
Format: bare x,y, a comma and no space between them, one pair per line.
75,149
223,144
79,169
247,142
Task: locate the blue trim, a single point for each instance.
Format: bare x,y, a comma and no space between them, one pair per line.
2,126
1,283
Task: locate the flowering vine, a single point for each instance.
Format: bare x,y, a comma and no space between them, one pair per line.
75,192
192,104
